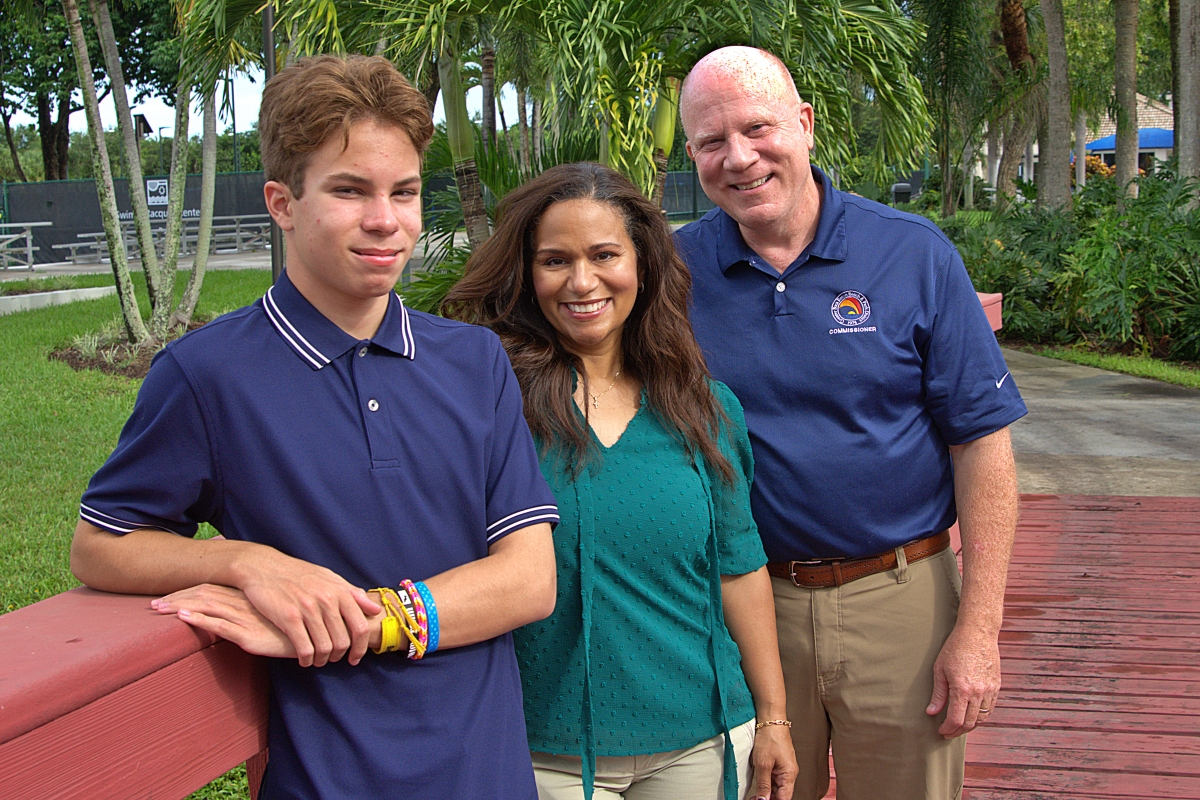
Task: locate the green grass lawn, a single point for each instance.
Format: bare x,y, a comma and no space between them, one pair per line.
58,427
1141,366
53,283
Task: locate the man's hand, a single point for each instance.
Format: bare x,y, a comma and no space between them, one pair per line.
322,614
773,761
966,675
966,681
225,612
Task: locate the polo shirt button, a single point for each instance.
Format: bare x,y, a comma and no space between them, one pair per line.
362,352
779,287
373,404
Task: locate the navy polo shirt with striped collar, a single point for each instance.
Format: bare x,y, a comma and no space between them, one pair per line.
856,367
401,456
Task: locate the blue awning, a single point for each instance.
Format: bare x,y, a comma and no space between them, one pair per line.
1148,139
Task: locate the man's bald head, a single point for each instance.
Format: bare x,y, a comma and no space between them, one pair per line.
751,71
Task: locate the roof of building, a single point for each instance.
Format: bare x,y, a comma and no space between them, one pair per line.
1151,114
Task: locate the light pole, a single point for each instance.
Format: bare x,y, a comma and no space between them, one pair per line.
160,157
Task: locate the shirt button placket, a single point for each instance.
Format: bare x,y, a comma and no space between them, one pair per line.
780,298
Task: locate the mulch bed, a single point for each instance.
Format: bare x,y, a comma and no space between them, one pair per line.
125,360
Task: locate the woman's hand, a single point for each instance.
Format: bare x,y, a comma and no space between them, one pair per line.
773,761
226,612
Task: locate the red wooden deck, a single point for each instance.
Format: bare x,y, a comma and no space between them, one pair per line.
1101,655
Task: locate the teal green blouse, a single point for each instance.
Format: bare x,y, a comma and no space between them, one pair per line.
636,657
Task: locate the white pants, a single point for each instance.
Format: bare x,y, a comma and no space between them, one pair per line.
695,773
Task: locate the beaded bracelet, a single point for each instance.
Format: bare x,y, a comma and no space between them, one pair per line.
431,613
417,633
765,723
419,647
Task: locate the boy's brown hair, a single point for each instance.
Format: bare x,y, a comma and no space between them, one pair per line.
304,104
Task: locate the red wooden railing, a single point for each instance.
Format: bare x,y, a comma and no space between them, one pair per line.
100,696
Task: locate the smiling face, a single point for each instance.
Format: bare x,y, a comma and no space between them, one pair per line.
353,228
750,136
585,274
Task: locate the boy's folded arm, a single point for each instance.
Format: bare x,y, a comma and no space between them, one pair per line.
321,614
513,585
510,587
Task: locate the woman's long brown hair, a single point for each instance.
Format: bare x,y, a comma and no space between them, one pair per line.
659,347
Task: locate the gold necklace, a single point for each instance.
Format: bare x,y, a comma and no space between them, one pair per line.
596,397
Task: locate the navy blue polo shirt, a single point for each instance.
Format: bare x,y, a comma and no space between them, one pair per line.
856,367
397,457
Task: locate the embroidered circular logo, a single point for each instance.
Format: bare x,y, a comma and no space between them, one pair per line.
851,308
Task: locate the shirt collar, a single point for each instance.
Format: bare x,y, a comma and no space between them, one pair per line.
829,242
316,340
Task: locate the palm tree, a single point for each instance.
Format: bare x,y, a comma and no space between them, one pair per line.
1126,12
160,287
135,329
956,80
1054,164
1187,98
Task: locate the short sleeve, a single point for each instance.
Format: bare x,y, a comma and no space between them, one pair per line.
740,548
517,494
161,474
969,391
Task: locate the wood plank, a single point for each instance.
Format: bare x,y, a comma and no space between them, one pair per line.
1097,784
1112,742
1109,685
165,735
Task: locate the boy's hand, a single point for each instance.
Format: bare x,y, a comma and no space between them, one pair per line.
322,614
225,612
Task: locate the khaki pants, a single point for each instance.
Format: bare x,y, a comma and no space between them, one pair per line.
858,665
692,774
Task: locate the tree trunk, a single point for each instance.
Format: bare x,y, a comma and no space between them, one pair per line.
177,182
666,111
1187,102
431,83
1174,37
62,135
12,148
160,287
536,124
208,193
1056,166
993,151
1016,137
512,150
134,327
523,131
1016,35
1044,156
462,149
968,167
1081,136
48,137
660,178
487,60
1126,87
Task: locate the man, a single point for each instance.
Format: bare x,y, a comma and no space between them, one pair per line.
878,403
341,442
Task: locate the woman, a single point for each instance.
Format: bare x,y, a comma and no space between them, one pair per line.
659,561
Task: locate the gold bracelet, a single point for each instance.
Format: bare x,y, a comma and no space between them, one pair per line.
765,723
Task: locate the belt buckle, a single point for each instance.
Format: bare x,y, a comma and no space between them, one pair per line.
813,562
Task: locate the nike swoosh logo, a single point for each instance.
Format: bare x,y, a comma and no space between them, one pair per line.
1000,382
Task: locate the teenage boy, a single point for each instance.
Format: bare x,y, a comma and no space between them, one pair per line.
340,442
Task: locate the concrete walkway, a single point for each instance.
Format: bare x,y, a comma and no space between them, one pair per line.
1102,433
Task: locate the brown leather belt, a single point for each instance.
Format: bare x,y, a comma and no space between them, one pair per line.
826,572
